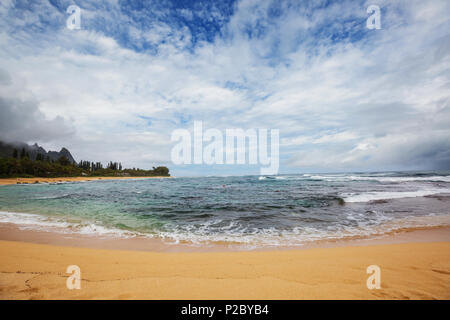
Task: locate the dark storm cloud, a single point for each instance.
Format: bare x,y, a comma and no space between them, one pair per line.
22,121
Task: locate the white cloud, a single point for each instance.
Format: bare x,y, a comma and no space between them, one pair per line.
344,104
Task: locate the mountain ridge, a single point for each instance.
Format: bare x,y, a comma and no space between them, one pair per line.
7,150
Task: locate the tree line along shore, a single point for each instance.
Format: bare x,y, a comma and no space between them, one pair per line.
21,165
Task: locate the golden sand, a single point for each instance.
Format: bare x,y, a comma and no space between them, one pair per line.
408,271
5,181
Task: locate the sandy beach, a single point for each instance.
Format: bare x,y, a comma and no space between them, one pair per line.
308,142
414,270
413,257
8,181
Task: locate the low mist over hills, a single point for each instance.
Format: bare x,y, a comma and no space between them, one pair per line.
7,150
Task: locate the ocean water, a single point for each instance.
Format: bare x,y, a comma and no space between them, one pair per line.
253,210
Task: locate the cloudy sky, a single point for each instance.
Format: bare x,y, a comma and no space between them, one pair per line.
344,97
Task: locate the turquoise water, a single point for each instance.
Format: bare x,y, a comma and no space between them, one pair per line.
282,210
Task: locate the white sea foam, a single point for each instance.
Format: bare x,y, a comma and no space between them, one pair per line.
341,177
271,237
386,195
30,221
346,177
403,179
272,178
233,233
52,197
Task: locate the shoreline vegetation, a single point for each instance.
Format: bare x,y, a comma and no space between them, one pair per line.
56,180
23,164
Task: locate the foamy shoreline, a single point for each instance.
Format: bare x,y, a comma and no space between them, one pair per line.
414,265
42,226
99,240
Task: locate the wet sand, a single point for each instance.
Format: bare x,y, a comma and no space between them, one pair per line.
414,265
